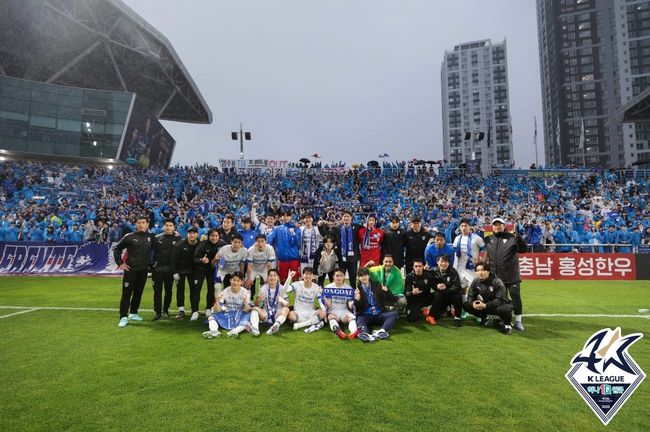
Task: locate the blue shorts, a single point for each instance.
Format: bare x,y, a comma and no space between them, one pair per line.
231,319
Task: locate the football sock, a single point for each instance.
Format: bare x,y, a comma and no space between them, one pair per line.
352,326
181,309
518,318
238,329
280,320
212,324
255,319
314,320
333,323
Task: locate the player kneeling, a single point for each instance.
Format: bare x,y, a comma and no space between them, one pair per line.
232,310
272,305
304,314
338,300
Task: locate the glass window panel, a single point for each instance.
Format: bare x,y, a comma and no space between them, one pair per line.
42,121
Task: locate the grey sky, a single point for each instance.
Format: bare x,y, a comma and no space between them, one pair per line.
345,79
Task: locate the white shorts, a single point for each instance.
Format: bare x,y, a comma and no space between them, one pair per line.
466,277
304,315
341,313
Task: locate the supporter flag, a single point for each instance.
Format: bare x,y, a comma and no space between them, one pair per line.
489,132
557,138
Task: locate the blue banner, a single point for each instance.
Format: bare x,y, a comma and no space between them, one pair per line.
47,258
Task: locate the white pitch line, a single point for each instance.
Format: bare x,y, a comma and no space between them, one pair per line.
587,316
19,313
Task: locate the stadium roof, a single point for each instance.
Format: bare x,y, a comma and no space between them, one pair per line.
100,44
637,109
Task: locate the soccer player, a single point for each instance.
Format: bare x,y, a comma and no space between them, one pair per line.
138,246
418,290
387,275
347,236
338,301
487,296
503,250
227,231
370,300
310,241
447,292
265,227
467,248
183,267
232,310
232,258
394,242
272,305
261,258
163,274
304,314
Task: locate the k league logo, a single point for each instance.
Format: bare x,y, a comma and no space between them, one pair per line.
604,373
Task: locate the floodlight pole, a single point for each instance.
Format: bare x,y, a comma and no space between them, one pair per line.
241,141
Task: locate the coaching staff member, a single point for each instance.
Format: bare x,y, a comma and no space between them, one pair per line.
502,255
163,269
138,247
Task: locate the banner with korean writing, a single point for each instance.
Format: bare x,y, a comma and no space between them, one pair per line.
46,258
254,166
577,266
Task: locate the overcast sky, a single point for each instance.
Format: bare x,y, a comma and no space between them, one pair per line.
345,79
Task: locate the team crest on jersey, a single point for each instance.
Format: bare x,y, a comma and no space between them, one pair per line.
604,374
126,284
424,238
504,240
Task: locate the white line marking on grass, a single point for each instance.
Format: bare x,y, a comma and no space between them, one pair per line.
587,316
19,313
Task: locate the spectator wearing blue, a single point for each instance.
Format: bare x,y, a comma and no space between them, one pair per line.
437,248
625,238
75,234
610,237
286,240
533,235
560,238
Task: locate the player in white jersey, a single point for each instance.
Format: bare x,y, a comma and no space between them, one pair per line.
265,227
469,249
304,313
338,300
272,305
261,258
231,311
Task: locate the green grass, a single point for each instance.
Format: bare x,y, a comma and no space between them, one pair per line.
75,370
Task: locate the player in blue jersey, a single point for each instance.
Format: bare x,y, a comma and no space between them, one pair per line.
338,300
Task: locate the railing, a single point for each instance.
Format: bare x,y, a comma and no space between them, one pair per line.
589,247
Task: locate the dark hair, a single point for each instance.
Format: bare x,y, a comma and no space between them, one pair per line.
439,234
483,264
171,221
260,236
274,270
466,221
420,260
237,274
139,217
213,230
308,270
237,236
337,270
389,256
344,212
363,272
443,257
232,219
328,237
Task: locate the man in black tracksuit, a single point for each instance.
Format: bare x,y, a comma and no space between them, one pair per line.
447,291
502,255
138,246
418,288
415,241
204,264
487,296
183,267
163,270
394,242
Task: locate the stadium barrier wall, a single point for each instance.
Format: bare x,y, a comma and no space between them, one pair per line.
57,259
97,259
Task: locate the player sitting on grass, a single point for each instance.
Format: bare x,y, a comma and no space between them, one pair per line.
272,305
304,314
338,300
370,300
231,310
487,296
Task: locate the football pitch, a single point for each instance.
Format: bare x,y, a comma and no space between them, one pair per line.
67,366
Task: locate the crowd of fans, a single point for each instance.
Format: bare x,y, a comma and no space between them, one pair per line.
50,202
